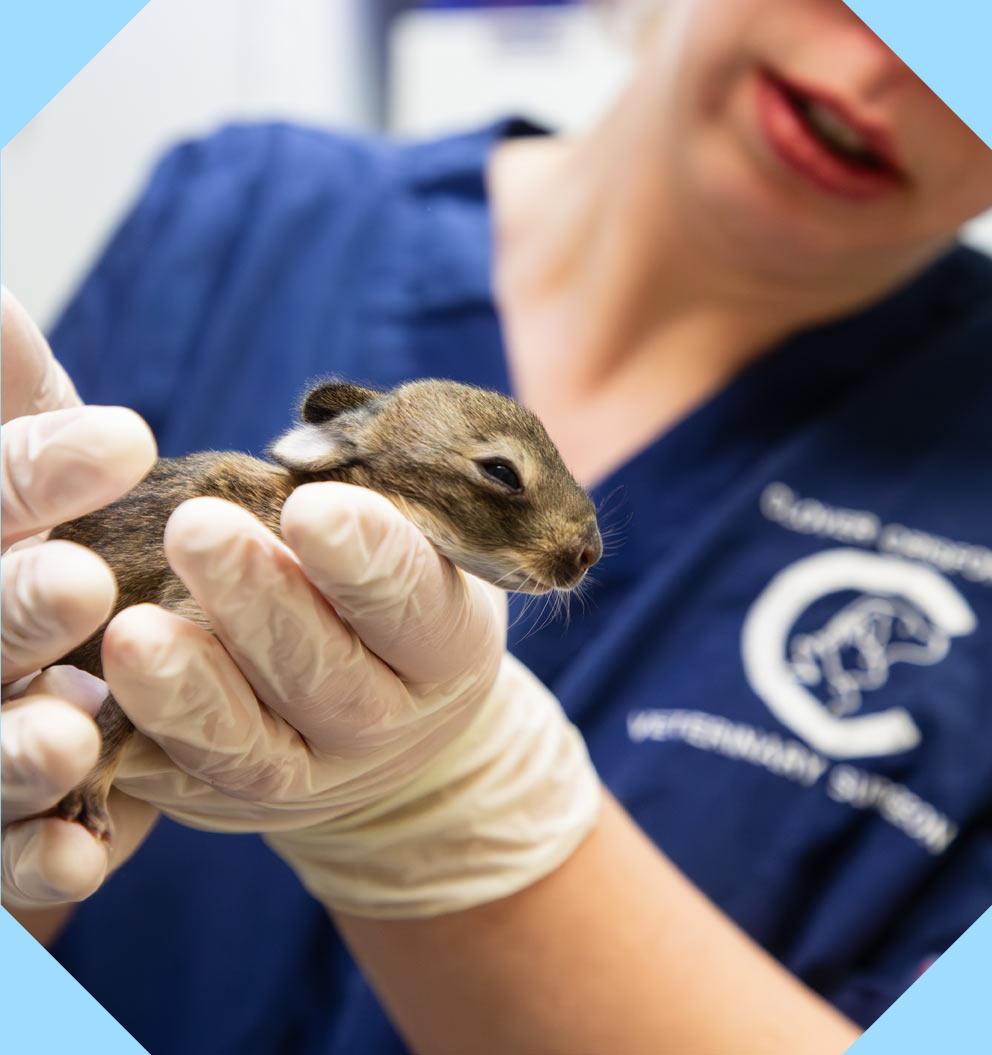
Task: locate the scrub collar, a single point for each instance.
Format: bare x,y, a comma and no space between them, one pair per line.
433,252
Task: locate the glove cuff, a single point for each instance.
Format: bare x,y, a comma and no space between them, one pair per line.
500,807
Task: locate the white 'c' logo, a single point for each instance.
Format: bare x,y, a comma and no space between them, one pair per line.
907,613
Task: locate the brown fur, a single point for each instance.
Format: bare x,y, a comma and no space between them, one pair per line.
424,445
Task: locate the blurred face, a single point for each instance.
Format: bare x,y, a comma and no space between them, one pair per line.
793,133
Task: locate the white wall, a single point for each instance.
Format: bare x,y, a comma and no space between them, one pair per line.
183,66
454,68
180,67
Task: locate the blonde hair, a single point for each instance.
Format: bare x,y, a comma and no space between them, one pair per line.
628,18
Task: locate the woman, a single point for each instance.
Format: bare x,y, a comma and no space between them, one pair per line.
736,306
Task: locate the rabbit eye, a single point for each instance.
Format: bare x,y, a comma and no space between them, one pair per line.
502,472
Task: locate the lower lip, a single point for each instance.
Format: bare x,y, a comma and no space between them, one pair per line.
799,148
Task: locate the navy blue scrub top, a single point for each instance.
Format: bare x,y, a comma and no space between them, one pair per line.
785,668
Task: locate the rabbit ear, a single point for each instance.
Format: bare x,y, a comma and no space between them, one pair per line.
312,449
331,398
332,414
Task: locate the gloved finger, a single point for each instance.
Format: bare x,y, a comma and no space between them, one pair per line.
55,595
149,774
59,465
232,802
409,605
69,684
49,861
33,380
298,656
180,688
64,463
47,746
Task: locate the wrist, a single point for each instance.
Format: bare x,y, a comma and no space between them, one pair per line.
501,806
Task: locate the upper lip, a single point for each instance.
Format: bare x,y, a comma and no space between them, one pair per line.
877,137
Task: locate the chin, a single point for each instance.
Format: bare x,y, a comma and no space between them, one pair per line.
753,210
759,225
492,569
531,588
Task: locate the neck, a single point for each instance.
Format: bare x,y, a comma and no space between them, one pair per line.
607,294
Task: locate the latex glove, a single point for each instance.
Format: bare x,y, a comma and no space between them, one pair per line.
361,709
59,460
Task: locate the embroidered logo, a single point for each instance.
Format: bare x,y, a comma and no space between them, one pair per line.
815,681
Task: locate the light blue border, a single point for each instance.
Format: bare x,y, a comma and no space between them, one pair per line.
44,44
948,45
44,1010
948,1010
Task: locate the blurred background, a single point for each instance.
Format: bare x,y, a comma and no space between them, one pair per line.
183,67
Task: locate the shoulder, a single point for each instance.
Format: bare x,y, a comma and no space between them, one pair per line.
299,163
960,287
252,250
263,188
219,220
966,276
938,326
241,175
240,153
958,346
943,376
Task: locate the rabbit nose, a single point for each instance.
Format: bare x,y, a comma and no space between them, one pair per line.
590,549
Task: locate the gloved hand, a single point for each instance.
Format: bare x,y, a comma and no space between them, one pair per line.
59,460
359,708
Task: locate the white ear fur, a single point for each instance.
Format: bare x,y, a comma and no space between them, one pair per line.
307,448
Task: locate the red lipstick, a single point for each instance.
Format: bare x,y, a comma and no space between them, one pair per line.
822,139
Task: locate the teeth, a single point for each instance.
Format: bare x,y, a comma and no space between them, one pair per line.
832,127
